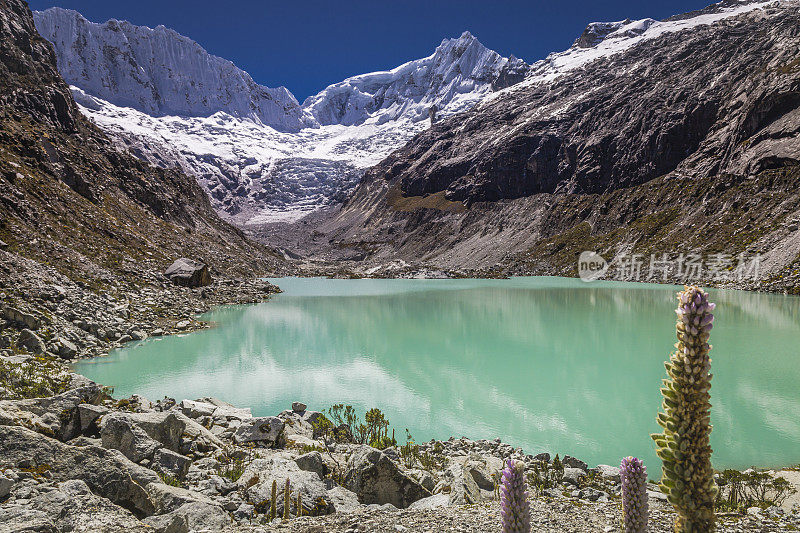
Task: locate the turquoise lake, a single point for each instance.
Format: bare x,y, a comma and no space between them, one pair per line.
549,364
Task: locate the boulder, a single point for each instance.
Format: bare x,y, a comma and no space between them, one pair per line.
196,409
5,486
119,432
431,502
12,314
376,479
70,506
608,472
89,416
31,341
316,499
188,273
267,429
572,462
165,428
343,500
189,518
171,463
167,498
65,348
463,490
55,416
573,476
312,462
108,473
298,407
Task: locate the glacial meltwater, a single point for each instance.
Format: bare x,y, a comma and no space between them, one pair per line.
548,364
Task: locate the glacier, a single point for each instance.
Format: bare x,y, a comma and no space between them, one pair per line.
263,157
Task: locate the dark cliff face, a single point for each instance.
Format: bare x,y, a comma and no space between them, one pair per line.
68,197
714,99
31,84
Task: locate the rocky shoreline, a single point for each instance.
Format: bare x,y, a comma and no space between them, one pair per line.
73,458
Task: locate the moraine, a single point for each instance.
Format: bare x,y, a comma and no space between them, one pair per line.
548,364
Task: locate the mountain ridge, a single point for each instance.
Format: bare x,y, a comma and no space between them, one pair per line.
256,173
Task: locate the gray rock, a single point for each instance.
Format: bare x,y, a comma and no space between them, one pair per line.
12,314
609,472
167,498
376,479
31,341
244,511
171,463
436,501
69,506
344,501
190,518
312,462
315,495
425,478
463,490
298,407
55,416
5,486
165,428
188,273
572,462
196,409
573,475
135,334
108,473
263,429
89,416
66,349
119,432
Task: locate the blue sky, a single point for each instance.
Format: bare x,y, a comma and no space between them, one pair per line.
307,45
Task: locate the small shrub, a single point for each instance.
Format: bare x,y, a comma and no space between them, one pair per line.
169,480
543,476
742,490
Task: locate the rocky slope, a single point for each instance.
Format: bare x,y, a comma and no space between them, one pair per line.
71,200
652,147
260,159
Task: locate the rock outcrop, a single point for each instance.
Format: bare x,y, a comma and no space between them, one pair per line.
188,273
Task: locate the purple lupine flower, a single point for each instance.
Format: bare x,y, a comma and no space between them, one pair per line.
633,475
514,507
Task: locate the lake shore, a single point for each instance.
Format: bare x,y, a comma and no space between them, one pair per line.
182,456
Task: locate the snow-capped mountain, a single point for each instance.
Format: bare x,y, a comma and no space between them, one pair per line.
260,155
458,74
159,72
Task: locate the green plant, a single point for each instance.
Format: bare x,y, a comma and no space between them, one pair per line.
348,426
232,468
167,479
543,476
35,378
299,504
287,502
273,502
684,448
742,490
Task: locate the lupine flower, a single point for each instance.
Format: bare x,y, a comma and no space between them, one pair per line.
514,507
684,448
633,475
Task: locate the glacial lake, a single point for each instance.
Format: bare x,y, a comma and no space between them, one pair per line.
549,364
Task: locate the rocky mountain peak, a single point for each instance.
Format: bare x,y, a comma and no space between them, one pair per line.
159,72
